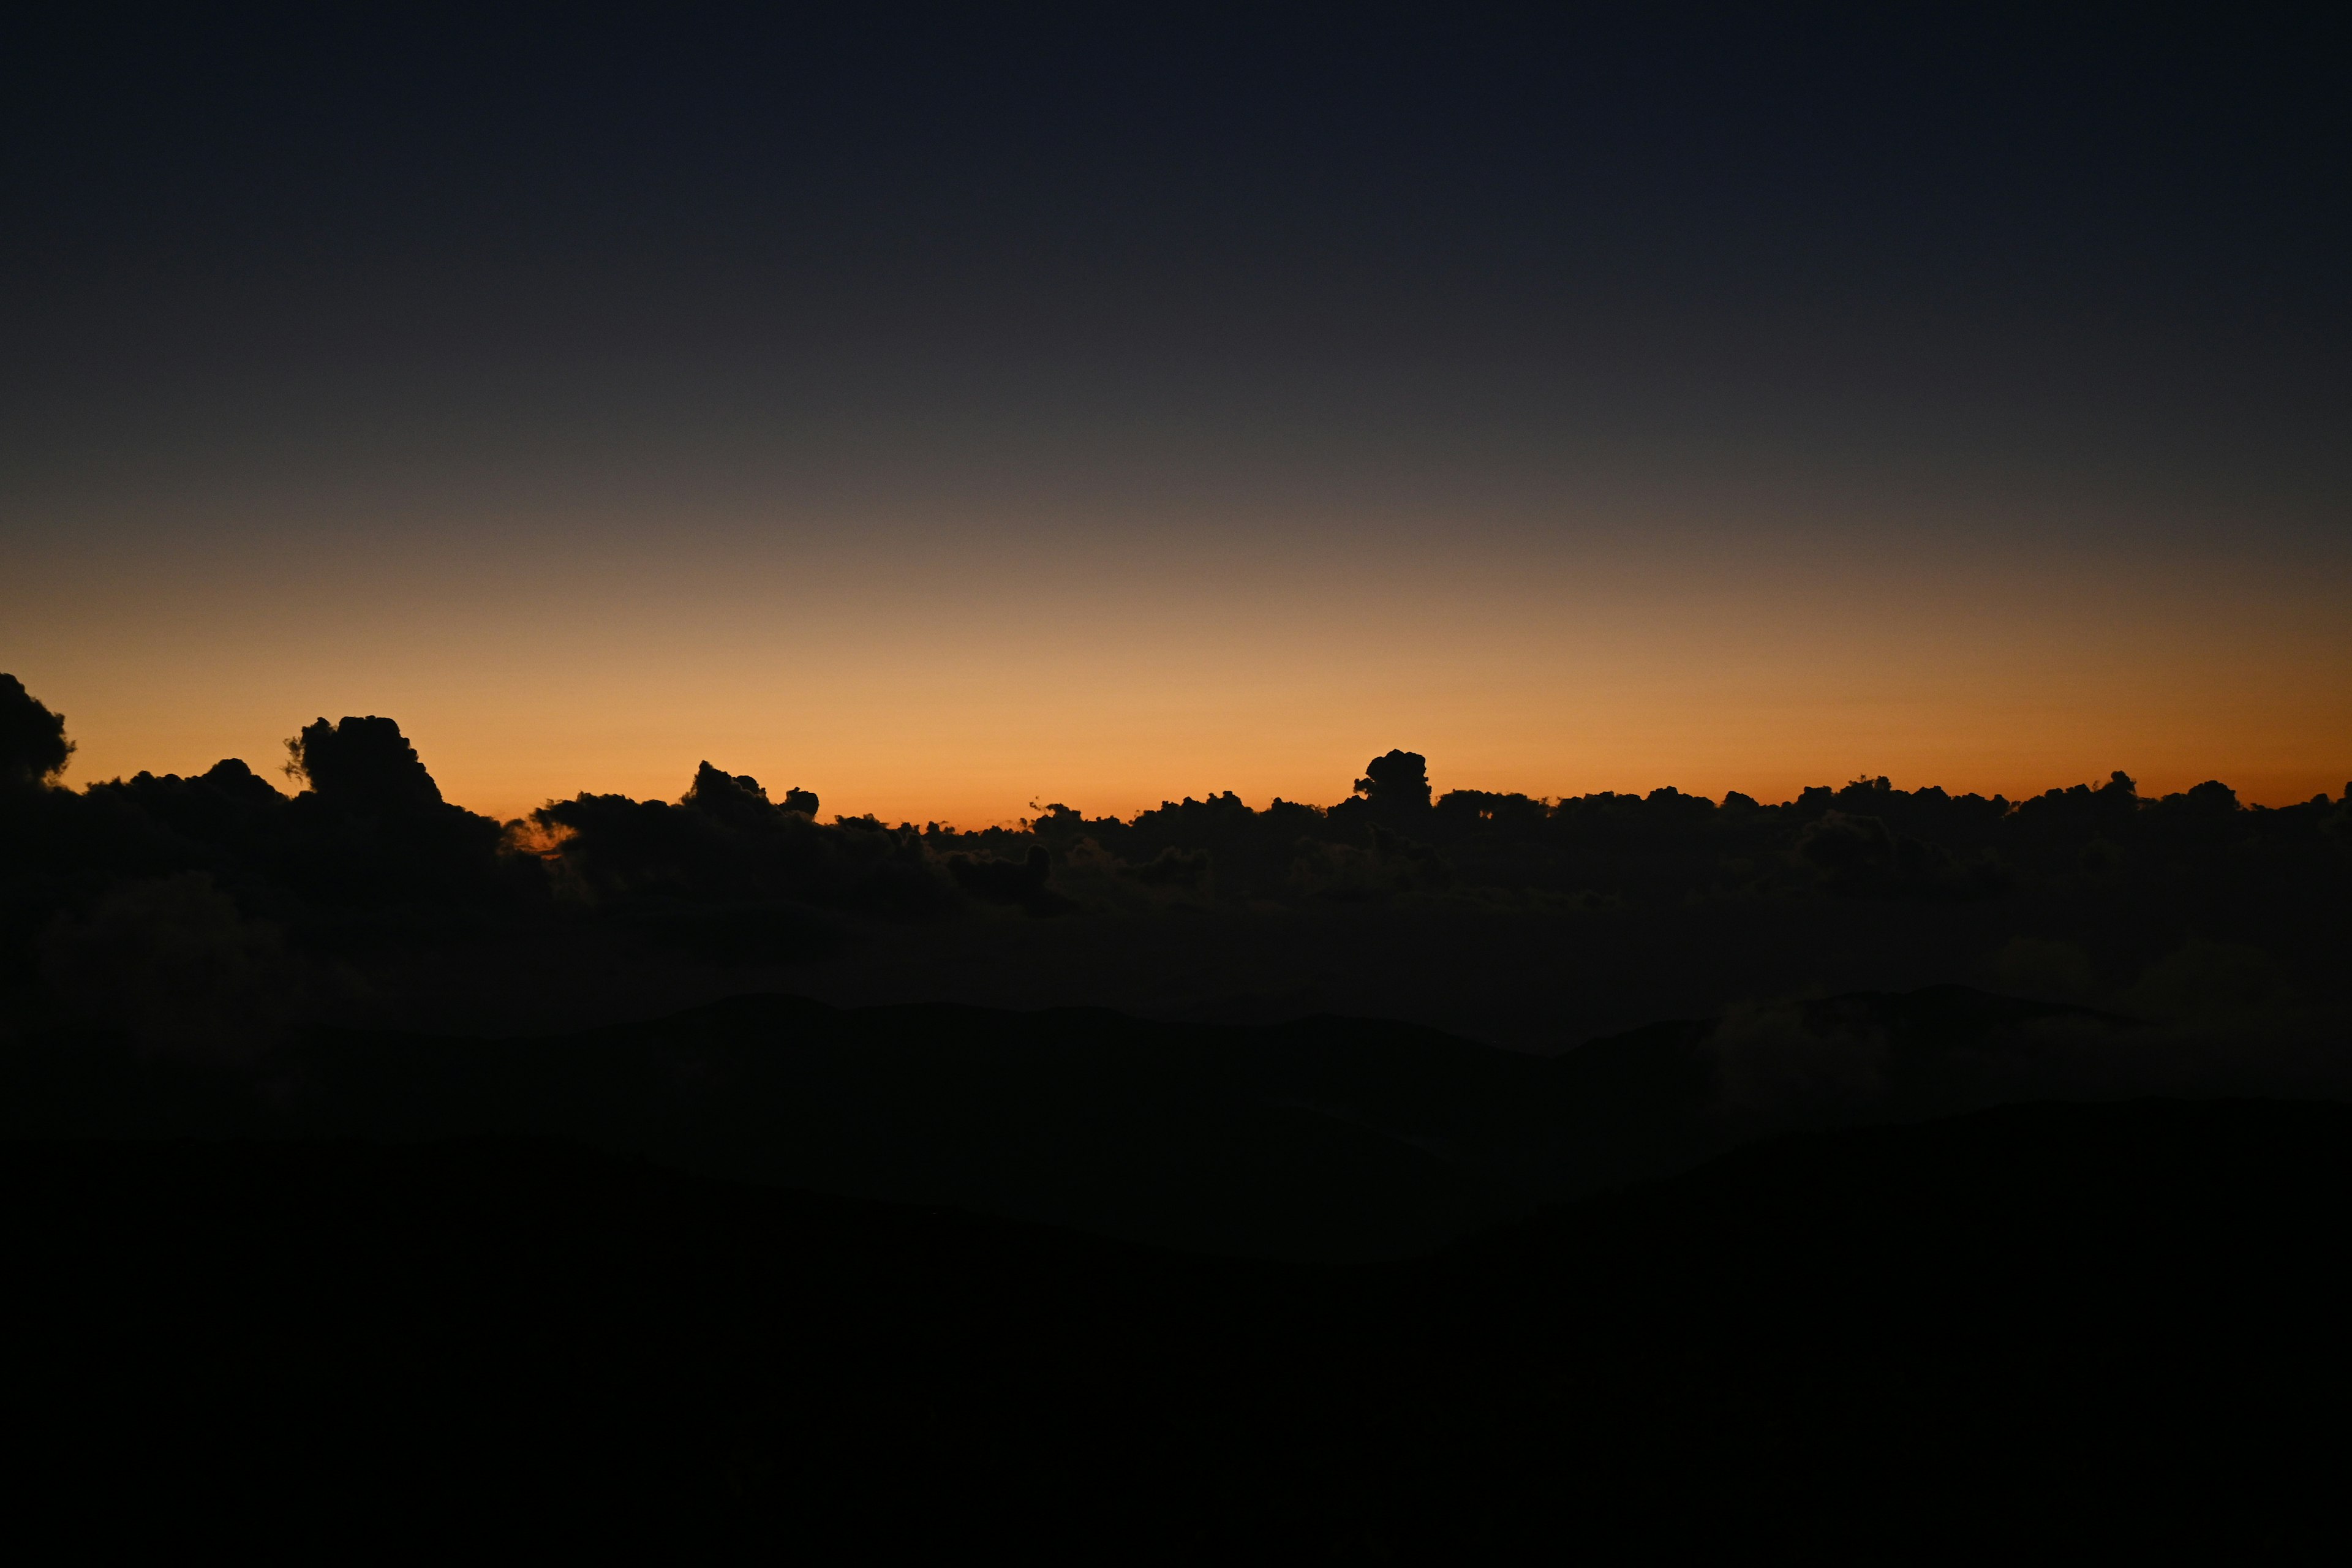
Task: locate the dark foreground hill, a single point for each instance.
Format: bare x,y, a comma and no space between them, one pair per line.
1323,1140
2078,1326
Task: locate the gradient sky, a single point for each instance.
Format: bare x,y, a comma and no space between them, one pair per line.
945,414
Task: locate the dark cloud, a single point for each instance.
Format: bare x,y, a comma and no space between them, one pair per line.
1861,857
175,963
362,764
725,841
1172,868
736,799
1398,781
1014,884
1536,922
373,829
1388,864
33,744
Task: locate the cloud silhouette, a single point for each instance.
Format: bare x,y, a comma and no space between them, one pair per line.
362,764
1015,884
173,961
1172,868
1400,780
1529,920
725,841
33,744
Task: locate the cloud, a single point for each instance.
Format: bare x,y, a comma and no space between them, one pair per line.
1014,884
362,765
1533,920
173,962
725,841
1399,780
1172,868
1388,865
33,744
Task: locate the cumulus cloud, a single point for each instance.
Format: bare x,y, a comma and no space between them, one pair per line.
362,764
33,744
1398,780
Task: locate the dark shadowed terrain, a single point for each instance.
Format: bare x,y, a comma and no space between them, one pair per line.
2071,1327
1322,1140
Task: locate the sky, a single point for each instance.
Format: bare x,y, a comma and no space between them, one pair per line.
951,413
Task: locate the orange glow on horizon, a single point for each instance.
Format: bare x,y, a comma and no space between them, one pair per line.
920,678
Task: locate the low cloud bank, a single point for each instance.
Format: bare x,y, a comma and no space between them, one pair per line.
215,913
